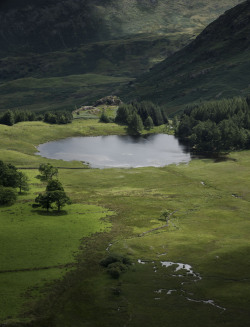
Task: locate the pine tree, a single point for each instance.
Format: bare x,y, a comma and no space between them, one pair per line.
135,125
8,118
149,123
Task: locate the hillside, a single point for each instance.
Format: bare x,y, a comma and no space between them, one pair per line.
44,42
47,25
215,65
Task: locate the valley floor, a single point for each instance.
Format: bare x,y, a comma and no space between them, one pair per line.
190,271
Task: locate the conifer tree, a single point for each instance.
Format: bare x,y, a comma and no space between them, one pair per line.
149,123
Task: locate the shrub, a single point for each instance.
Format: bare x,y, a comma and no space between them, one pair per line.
115,264
8,196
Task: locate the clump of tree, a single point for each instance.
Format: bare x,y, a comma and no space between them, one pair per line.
54,195
11,117
58,117
10,180
217,126
149,113
47,171
115,265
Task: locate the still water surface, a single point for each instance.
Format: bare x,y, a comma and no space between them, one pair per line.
119,151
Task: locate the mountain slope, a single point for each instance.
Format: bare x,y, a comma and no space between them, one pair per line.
47,25
216,64
47,39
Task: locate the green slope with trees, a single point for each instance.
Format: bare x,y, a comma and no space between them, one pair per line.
215,65
217,126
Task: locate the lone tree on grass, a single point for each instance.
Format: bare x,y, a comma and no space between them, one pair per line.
60,199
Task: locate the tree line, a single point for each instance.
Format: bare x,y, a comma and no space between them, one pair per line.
217,126
139,115
11,117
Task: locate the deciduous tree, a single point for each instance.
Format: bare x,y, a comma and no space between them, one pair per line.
47,171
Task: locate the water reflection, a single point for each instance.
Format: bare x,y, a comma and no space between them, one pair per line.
119,151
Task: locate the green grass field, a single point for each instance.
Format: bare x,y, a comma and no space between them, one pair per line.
209,230
37,247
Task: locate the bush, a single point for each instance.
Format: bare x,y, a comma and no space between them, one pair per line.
8,196
104,118
110,259
114,272
115,264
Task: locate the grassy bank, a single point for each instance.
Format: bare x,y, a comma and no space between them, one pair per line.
208,229
18,142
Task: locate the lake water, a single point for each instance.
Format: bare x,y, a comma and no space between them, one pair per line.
119,151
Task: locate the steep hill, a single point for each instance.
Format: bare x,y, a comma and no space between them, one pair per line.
46,25
215,65
48,46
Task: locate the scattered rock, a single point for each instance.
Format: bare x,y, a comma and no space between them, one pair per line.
109,100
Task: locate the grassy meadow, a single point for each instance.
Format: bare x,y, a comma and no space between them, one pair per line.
118,211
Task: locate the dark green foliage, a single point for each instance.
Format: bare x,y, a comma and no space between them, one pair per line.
54,193
135,125
115,264
12,117
11,178
123,114
62,117
206,137
54,185
217,125
8,175
114,258
24,115
115,269
104,118
60,199
44,200
143,110
8,118
8,196
47,171
57,197
149,123
22,182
